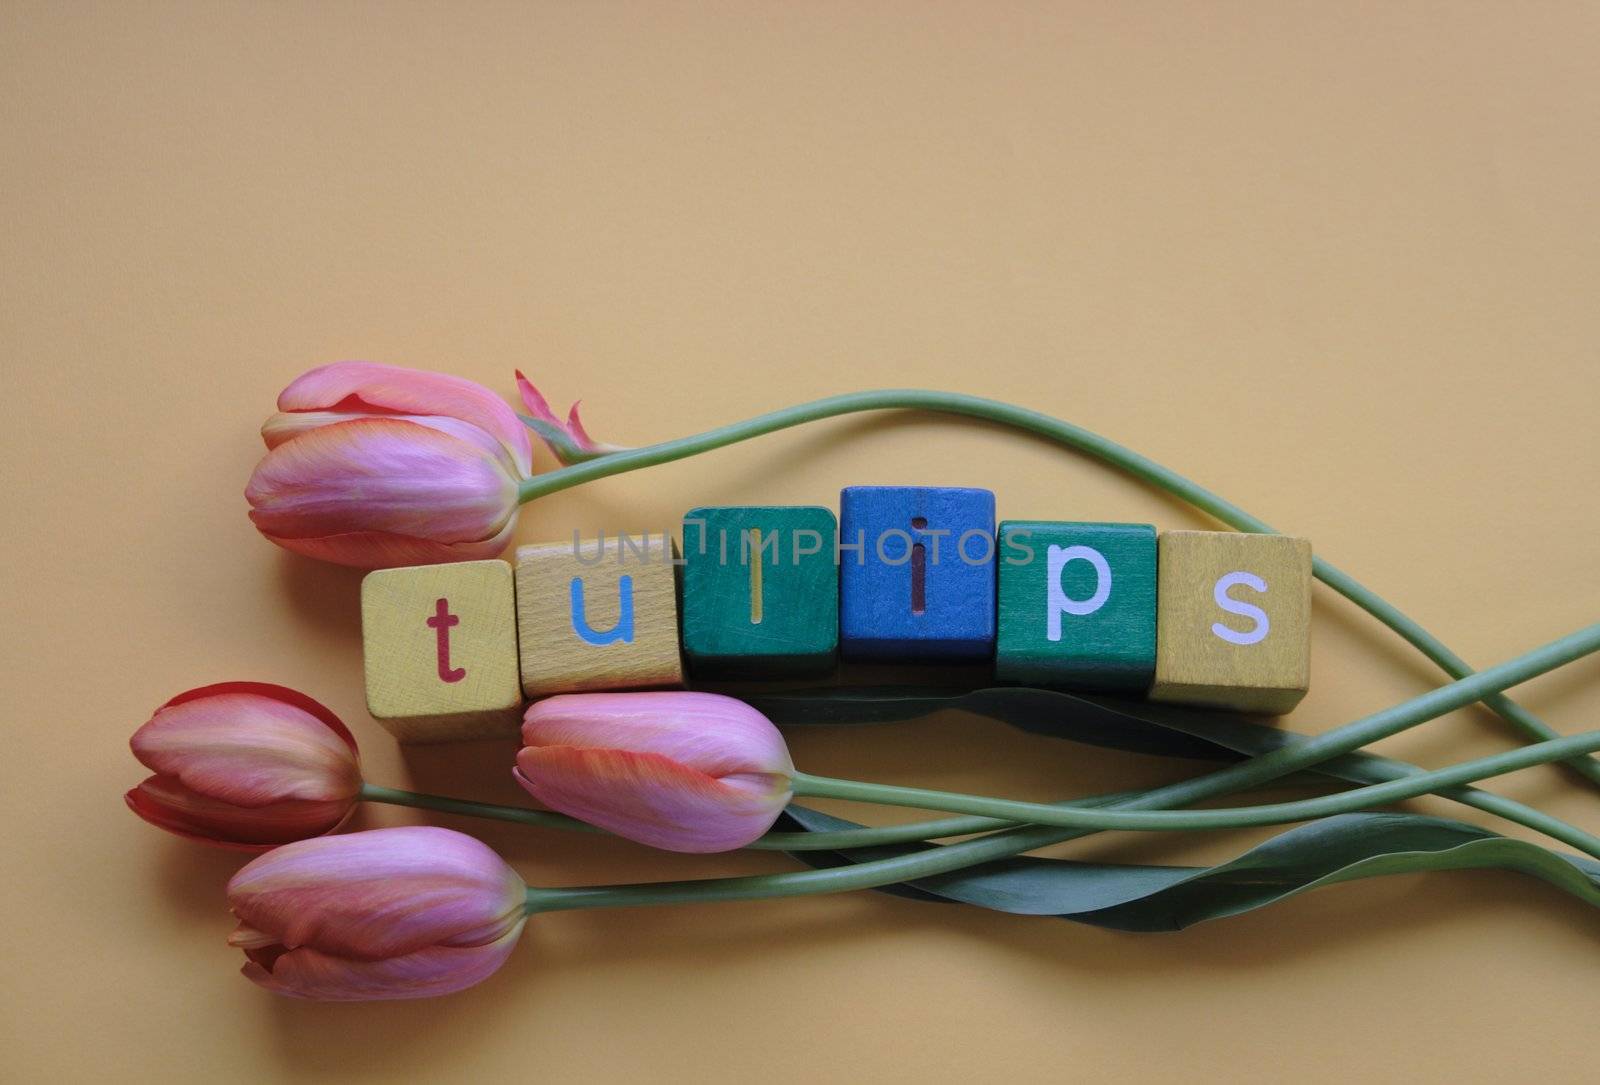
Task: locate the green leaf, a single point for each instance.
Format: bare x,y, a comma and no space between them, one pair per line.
1105,722
1149,898
560,442
1166,898
1110,723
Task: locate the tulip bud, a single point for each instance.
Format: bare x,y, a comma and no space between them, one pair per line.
388,913
245,765
692,772
376,466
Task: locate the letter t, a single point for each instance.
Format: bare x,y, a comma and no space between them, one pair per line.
441,622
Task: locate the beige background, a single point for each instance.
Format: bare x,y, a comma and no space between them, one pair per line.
1339,261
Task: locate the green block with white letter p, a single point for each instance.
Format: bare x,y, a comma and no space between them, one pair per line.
1077,605
760,590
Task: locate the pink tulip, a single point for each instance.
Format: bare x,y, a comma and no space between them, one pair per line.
388,913
374,466
683,771
245,765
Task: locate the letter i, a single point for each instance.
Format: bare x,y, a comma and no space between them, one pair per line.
755,576
919,571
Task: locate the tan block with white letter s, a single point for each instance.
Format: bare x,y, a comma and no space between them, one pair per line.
439,644
1233,620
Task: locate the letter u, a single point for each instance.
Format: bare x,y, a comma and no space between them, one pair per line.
622,631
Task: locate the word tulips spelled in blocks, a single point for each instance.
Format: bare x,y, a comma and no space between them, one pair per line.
904,574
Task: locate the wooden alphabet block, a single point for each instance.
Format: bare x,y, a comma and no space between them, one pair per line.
1077,605
760,590
598,615
439,644
1233,628
916,573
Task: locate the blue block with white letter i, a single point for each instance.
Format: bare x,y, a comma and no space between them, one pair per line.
916,573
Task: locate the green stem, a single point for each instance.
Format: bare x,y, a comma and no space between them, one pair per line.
802,841
865,837
1077,817
1001,845
1373,769
917,832
544,819
920,831
1064,433
1487,801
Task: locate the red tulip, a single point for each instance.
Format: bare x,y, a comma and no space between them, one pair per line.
245,765
693,772
388,913
374,466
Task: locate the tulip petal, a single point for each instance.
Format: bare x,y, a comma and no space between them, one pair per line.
397,390
248,750
311,973
248,938
581,436
309,705
568,441
652,799
283,426
385,550
380,475
381,893
706,732
167,804
534,401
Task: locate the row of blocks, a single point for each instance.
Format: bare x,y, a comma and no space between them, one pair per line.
909,574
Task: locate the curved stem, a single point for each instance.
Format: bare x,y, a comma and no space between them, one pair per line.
1078,817
1510,809
917,832
1001,845
1064,433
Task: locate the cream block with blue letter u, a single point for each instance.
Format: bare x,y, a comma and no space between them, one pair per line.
1233,622
598,614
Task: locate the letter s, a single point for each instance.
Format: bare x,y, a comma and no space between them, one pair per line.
1245,610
